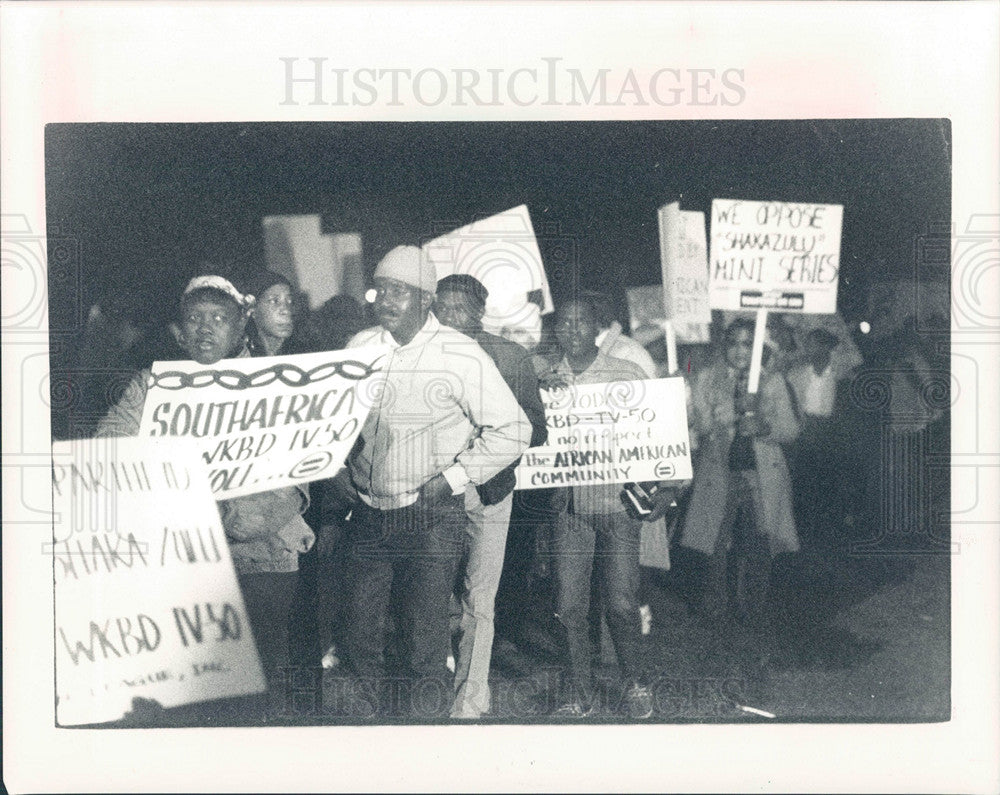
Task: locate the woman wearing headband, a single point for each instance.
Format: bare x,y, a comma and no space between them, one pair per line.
265,531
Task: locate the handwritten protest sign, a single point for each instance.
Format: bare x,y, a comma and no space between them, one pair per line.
684,265
146,599
270,422
774,255
320,265
501,252
627,431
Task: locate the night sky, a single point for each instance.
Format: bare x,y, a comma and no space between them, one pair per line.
144,204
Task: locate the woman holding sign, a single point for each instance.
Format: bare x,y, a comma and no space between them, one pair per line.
265,531
741,504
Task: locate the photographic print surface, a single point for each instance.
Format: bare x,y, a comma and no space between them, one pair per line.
223,208
864,584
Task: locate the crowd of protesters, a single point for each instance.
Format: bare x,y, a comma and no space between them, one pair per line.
423,548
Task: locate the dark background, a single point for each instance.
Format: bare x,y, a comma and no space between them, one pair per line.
142,205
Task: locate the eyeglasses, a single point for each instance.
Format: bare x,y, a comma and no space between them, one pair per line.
392,291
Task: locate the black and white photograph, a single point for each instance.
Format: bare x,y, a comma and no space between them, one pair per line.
565,407
465,540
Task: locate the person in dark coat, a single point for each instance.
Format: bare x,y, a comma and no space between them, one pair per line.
461,304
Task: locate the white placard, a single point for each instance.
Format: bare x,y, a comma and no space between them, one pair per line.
146,599
501,252
297,249
781,256
684,265
268,422
621,432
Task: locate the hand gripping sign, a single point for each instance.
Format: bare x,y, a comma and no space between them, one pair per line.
146,600
621,432
270,422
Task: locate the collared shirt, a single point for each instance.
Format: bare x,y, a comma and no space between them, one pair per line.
818,393
599,497
445,409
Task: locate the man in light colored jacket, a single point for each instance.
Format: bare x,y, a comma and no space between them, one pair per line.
445,418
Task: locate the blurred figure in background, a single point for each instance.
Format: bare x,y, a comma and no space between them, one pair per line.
101,366
612,340
331,326
819,460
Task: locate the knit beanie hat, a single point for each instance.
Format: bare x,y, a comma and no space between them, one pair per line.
407,264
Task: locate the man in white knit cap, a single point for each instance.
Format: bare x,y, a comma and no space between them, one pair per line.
445,418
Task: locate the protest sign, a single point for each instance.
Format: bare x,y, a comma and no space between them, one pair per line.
621,432
684,266
267,422
501,252
347,265
146,600
780,256
319,265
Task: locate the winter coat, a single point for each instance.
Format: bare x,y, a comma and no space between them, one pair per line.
713,420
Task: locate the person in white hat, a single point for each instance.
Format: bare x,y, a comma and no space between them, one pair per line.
265,531
445,418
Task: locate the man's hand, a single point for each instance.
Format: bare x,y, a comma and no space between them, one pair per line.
435,489
662,501
552,380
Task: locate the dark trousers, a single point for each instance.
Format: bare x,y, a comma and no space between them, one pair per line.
609,542
268,597
413,552
331,564
741,562
530,521
819,469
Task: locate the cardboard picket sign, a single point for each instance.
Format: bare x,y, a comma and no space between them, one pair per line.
319,265
146,600
621,432
502,253
648,318
684,268
264,423
779,256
